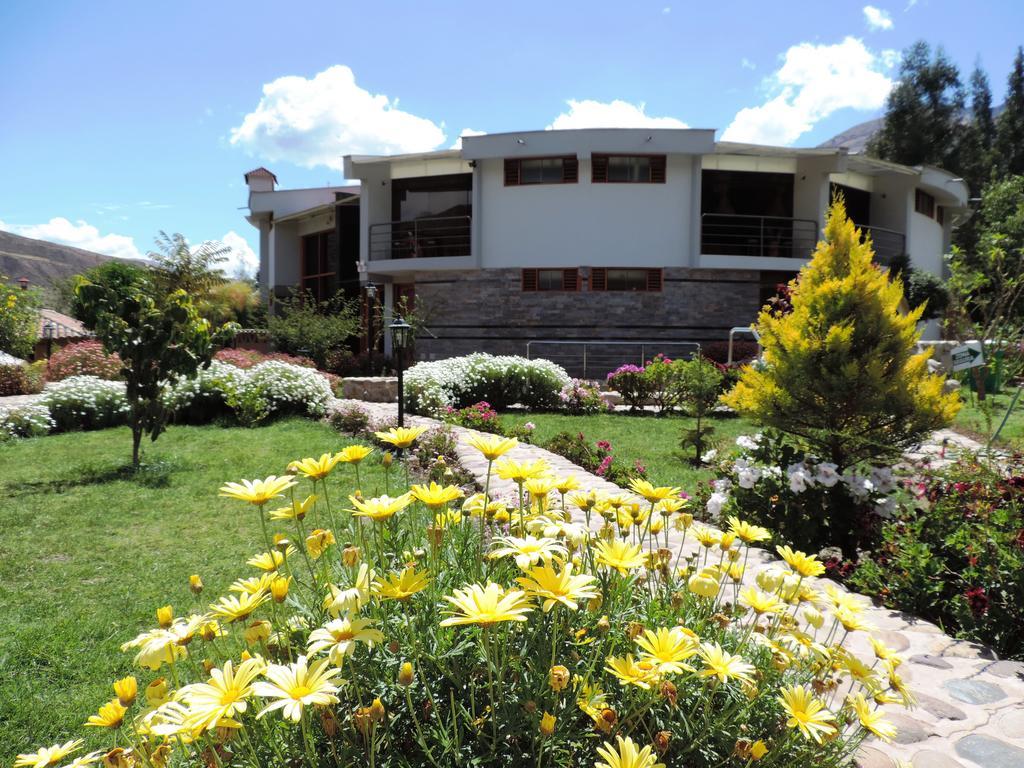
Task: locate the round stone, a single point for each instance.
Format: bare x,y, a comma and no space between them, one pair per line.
894,640
990,752
937,707
909,730
1005,669
930,660
869,757
929,758
965,650
1012,724
974,691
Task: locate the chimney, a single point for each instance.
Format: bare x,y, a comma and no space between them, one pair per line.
23,282
260,180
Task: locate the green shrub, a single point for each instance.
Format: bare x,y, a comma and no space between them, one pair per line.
350,419
35,377
13,380
479,416
629,381
957,557
318,330
581,398
19,319
594,457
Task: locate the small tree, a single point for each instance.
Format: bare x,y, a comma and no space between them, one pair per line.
699,385
159,340
840,372
320,330
193,269
19,319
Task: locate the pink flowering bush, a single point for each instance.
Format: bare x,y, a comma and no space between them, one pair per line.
480,416
629,381
83,358
581,398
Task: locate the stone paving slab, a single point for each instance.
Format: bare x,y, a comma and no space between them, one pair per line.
971,704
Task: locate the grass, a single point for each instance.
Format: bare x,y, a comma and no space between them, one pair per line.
89,551
981,419
652,440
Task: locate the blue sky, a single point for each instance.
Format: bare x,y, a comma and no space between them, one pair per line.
124,118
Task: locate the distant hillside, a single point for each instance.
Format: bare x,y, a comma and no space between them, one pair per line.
856,139
43,262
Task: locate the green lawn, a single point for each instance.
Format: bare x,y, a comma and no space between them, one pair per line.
87,553
653,440
981,420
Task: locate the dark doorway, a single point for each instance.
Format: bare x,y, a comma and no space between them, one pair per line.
858,203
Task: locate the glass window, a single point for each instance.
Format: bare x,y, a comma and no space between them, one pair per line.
627,280
549,279
541,170
629,169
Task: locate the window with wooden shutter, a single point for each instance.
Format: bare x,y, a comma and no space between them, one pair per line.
628,169
523,171
654,280
598,279
567,279
924,203
511,173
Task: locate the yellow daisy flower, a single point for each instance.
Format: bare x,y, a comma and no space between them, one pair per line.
295,686
380,508
803,564
234,609
626,754
529,550
400,437
110,715
401,586
747,533
492,446
318,541
314,469
652,494
871,719
297,511
667,648
552,587
807,713
436,496
258,492
619,555
723,665
339,637
631,672
222,696
47,756
486,605
352,454
520,472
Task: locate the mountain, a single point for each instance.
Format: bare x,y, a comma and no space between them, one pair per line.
43,262
856,139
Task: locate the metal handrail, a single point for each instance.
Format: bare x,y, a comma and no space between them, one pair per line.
588,344
421,238
727,234
888,243
743,329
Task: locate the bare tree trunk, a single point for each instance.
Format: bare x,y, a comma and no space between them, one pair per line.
136,444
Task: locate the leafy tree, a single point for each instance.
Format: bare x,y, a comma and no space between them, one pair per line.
699,384
923,112
19,319
117,277
234,301
193,269
159,340
840,372
320,330
1010,124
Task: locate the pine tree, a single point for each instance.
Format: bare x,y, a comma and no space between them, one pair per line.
981,108
923,113
840,372
1010,125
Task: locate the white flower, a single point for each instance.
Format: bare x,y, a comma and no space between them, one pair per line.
721,485
885,507
715,504
708,456
748,477
826,474
775,472
799,478
883,480
748,443
859,486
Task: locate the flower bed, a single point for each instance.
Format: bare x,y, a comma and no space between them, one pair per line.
83,358
373,632
85,402
25,421
431,387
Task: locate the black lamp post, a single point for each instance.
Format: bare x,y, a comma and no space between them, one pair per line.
371,308
49,330
401,336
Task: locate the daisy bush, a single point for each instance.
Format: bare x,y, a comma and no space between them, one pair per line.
433,386
86,402
25,421
411,625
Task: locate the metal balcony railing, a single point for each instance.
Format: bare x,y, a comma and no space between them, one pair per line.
421,238
888,243
728,234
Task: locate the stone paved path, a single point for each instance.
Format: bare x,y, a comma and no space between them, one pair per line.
970,711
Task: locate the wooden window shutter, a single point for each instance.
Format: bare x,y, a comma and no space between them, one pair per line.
529,279
654,280
598,279
599,169
658,169
570,170
570,279
511,173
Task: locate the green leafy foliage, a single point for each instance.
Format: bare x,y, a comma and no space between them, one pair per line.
320,330
19,319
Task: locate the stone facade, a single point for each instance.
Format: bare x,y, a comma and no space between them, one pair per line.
487,311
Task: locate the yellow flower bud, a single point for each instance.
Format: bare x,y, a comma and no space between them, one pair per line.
386,459
157,692
195,583
603,625
127,688
558,678
547,724
758,750
350,556
279,588
633,629
703,585
377,711
257,632
245,655
405,674
164,616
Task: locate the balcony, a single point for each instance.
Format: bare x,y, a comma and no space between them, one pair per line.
887,243
727,234
424,238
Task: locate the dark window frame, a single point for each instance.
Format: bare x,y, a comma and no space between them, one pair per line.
570,280
599,161
514,170
314,282
924,203
654,279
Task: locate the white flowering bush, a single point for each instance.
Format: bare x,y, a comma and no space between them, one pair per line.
31,420
86,402
501,380
810,502
6,359
288,388
203,397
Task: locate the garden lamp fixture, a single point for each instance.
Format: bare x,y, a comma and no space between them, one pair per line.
49,331
401,337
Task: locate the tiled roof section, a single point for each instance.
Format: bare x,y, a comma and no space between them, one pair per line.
64,326
261,171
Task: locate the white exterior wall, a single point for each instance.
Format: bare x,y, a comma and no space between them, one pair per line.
568,225
284,255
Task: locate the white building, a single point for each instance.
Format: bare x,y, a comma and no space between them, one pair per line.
610,234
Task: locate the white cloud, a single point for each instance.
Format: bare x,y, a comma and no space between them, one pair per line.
314,121
813,82
612,114
242,261
79,234
747,63
466,132
876,18
667,9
